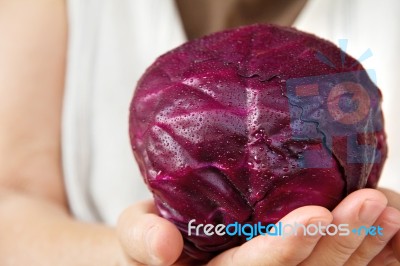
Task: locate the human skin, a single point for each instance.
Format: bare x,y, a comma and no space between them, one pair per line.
364,207
36,226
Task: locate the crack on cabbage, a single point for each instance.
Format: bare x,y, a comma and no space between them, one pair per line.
256,75
324,137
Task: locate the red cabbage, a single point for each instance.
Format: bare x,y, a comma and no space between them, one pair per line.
248,124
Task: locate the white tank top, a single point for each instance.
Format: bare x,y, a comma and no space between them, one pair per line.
112,42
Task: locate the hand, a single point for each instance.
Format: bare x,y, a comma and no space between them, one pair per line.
364,207
394,201
150,239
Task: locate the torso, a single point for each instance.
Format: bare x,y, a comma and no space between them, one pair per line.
206,16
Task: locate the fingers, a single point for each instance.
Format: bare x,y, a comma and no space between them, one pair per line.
385,257
361,208
276,250
393,197
396,246
148,238
394,201
389,220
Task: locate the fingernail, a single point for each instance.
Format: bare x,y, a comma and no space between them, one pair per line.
151,238
370,210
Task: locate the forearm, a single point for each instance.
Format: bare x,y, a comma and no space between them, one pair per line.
37,232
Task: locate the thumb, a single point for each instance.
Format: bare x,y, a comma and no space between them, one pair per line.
148,238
